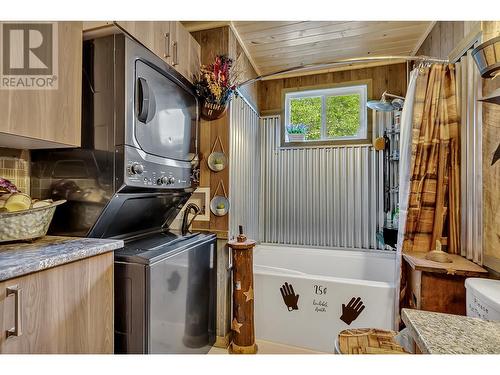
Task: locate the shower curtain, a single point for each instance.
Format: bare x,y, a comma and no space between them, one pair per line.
404,180
434,196
429,179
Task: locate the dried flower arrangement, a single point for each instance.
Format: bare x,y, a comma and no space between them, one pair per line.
216,85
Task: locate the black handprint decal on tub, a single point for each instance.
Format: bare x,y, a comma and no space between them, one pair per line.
352,310
289,297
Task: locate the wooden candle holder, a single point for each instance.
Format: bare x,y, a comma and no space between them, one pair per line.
243,328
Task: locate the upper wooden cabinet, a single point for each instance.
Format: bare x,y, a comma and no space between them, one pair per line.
185,51
42,117
169,40
194,58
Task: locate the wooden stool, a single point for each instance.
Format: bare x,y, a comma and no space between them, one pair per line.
243,337
369,341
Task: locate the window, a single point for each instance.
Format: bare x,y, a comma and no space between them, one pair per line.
326,115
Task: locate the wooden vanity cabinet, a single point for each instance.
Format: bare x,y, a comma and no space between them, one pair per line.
44,118
65,309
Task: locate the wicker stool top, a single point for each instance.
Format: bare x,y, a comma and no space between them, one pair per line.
369,341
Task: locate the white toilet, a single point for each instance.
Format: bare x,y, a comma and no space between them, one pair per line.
483,298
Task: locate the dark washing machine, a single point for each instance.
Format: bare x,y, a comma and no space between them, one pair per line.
166,294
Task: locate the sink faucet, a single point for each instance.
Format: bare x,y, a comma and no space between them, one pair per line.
185,223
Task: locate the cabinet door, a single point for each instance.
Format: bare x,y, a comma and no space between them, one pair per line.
144,31
49,115
154,35
194,59
180,49
164,41
66,309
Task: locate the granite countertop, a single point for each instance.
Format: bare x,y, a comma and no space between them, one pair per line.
437,333
17,259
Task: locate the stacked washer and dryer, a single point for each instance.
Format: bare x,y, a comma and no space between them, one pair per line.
134,172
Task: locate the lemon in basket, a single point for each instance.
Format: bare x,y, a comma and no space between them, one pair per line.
18,202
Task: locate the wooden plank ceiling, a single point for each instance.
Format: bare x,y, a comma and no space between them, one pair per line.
277,45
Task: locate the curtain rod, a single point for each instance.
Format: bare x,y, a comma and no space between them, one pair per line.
345,62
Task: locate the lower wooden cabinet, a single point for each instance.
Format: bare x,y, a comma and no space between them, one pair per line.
66,309
437,287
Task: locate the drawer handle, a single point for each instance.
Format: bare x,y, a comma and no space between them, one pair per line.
17,329
167,45
176,61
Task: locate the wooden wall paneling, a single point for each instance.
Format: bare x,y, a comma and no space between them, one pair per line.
458,32
213,42
435,47
220,128
445,36
387,77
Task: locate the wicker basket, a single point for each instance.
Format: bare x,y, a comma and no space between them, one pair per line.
27,224
211,112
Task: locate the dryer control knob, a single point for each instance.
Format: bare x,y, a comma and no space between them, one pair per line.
136,168
171,180
163,180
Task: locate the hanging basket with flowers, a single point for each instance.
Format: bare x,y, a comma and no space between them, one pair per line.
216,86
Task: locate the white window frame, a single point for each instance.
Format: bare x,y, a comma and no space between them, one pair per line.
359,89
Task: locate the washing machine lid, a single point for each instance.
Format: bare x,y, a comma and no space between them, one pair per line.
486,289
129,214
158,246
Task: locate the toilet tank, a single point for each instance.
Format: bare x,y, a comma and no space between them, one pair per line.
483,298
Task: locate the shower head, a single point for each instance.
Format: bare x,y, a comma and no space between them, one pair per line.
384,105
380,105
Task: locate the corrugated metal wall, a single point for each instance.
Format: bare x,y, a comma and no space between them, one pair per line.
321,196
244,169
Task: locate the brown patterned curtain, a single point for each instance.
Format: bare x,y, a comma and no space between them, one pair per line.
434,201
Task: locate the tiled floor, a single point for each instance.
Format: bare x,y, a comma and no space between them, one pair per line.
267,347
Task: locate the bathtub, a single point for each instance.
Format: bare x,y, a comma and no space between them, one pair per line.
300,293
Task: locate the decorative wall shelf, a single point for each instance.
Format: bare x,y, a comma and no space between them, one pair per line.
219,205
217,161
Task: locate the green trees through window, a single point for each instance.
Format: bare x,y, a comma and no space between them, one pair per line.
342,115
329,114
307,111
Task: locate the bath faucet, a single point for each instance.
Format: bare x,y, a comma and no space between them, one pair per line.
185,224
